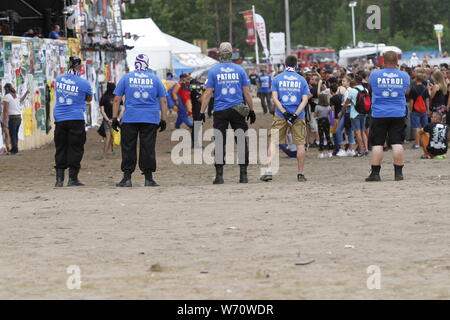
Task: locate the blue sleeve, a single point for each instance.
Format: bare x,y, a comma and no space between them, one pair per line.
210,83
371,79
161,90
120,89
245,81
88,89
275,85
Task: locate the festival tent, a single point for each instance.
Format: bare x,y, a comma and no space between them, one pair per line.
147,38
165,52
186,57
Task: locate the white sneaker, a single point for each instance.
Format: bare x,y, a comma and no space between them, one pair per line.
330,155
341,153
321,156
351,153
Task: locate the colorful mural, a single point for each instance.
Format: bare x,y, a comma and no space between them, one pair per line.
33,64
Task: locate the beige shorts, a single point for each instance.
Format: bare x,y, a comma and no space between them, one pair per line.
298,130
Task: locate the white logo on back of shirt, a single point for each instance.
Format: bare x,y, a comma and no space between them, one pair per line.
290,78
390,75
67,81
228,69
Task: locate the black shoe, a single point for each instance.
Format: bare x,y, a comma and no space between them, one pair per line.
74,183
219,175
373,177
59,178
73,179
266,177
358,155
125,182
149,182
243,175
398,176
301,178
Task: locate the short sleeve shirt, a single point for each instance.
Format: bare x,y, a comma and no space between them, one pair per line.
227,80
142,90
388,93
290,87
71,93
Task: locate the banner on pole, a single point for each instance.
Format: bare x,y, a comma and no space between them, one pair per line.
261,28
251,34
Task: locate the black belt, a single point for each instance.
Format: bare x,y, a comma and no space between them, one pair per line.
15,116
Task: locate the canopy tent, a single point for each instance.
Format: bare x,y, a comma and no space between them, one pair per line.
147,38
165,51
191,61
180,46
179,68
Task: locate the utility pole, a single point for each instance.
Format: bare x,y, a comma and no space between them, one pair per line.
288,28
353,5
230,20
256,37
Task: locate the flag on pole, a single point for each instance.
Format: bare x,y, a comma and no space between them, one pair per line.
261,28
251,34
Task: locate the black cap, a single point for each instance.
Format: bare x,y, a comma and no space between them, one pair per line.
74,62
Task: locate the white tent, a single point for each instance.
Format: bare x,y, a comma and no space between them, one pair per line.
148,39
180,46
164,51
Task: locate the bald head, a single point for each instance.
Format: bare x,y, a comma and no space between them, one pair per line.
390,58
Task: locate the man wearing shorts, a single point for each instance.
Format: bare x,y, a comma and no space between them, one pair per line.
389,87
290,96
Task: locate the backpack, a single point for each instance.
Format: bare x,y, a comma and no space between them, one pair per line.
363,101
419,105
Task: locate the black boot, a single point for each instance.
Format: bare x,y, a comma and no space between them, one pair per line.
73,178
219,175
374,174
398,172
149,182
126,181
59,178
243,174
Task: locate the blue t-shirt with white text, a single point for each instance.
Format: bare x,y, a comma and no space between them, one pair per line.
227,79
71,93
142,90
264,83
290,87
388,93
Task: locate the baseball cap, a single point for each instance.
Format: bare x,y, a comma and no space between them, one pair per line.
225,47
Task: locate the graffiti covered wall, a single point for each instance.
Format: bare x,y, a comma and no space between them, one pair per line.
33,64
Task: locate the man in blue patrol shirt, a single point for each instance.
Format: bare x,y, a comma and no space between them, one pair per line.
230,84
290,93
145,112
264,85
72,92
389,87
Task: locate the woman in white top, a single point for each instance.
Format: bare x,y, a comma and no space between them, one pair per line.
12,115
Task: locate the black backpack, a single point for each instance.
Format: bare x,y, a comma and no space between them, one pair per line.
363,101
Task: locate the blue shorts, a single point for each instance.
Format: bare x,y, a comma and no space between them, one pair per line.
359,123
418,120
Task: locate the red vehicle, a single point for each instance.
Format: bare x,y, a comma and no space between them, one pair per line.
236,57
307,56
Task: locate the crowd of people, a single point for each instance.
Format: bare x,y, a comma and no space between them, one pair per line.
341,112
335,122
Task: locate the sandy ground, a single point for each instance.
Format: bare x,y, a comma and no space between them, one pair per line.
189,239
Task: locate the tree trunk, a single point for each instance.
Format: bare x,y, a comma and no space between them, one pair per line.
216,11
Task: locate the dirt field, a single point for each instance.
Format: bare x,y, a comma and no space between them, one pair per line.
189,239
